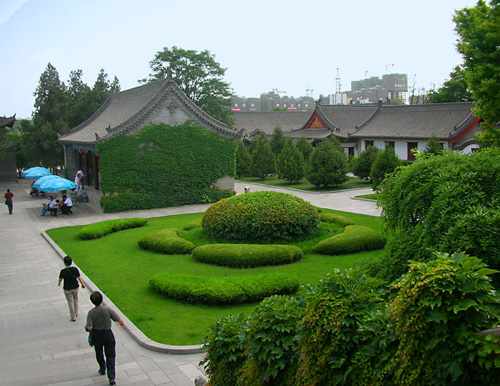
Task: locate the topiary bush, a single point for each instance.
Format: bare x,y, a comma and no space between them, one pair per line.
192,225
100,229
223,290
355,238
336,218
261,216
247,255
166,241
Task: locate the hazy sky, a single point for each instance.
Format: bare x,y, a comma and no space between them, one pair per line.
288,45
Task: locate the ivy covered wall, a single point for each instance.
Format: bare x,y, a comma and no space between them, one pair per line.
164,166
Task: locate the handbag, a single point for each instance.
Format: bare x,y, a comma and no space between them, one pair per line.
91,344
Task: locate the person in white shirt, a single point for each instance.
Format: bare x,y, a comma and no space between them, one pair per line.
67,205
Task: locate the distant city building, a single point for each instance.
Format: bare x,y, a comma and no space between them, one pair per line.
370,90
270,101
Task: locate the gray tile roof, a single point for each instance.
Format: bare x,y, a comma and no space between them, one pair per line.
345,118
7,121
267,121
445,120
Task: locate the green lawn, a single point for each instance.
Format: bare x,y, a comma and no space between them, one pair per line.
368,196
351,183
122,270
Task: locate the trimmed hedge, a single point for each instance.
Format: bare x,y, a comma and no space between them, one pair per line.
192,225
166,241
100,229
247,255
355,238
223,290
336,218
261,216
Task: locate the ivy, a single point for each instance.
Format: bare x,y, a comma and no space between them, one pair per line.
164,166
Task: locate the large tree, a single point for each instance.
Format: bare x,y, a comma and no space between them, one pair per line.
454,89
277,140
262,158
199,75
479,41
328,165
290,163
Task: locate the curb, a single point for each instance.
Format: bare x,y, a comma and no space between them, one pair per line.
130,327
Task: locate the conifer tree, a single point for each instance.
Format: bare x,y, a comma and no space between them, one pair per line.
262,158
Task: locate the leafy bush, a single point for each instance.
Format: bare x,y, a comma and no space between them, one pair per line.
355,238
166,241
247,255
362,165
192,224
443,203
223,290
100,229
384,164
261,216
150,169
336,218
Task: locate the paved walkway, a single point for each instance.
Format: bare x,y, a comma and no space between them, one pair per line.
39,345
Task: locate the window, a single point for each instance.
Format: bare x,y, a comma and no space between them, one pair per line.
411,146
389,144
368,144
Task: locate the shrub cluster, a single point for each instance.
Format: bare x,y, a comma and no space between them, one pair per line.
336,218
99,229
166,241
350,330
261,216
247,255
223,290
192,225
355,238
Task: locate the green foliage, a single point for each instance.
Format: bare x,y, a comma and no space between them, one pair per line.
478,41
225,348
328,165
261,216
385,163
336,218
305,148
453,90
247,255
243,160
445,203
166,241
227,290
271,336
362,165
290,163
262,158
277,141
199,76
355,238
437,311
100,229
433,146
164,166
332,327
192,224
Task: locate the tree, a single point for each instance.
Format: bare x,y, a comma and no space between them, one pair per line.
433,146
79,98
385,163
328,165
262,158
305,148
363,164
453,90
277,140
199,76
478,42
290,163
243,160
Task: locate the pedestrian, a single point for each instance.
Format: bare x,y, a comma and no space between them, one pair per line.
99,325
71,276
8,200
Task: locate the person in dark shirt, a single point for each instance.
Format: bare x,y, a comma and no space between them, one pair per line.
71,276
99,325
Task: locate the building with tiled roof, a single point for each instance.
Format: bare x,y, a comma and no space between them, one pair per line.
127,112
8,158
250,124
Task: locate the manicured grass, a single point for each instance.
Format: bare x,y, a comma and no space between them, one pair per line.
122,270
303,184
368,196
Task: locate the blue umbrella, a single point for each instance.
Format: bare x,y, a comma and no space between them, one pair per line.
36,172
56,185
41,180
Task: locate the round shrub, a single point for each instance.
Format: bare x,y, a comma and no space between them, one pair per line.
100,229
355,238
192,225
336,218
247,255
223,290
166,241
261,216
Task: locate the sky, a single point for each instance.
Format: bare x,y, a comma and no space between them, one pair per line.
289,46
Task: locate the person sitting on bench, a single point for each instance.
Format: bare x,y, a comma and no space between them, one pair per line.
53,206
67,205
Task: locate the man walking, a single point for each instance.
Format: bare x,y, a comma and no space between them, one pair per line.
71,276
8,200
99,325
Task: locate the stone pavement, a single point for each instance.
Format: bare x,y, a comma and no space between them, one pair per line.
39,344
